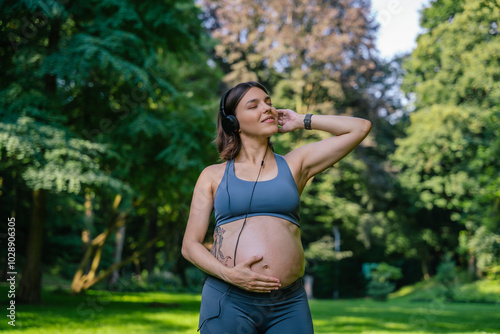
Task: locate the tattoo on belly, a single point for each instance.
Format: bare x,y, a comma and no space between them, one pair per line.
217,246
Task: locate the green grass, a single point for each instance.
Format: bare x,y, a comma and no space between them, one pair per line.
104,312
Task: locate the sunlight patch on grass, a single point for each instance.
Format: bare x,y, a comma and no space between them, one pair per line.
421,288
141,297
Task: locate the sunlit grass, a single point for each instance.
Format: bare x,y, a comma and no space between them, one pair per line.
104,312
483,290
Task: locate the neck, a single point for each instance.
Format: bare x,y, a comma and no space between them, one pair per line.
253,152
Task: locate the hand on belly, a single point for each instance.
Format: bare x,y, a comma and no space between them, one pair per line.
272,238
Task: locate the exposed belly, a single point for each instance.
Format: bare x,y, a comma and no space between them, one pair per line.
276,239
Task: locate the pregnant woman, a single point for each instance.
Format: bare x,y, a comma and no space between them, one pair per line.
256,261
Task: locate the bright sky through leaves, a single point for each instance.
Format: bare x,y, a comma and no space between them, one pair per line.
399,25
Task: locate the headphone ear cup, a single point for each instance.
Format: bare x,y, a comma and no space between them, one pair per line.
230,124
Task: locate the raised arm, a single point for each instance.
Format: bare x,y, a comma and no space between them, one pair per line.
314,158
194,251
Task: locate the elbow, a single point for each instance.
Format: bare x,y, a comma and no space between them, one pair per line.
362,129
367,126
185,251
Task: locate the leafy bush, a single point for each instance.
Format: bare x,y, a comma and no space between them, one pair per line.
380,285
155,281
163,281
380,290
447,276
194,279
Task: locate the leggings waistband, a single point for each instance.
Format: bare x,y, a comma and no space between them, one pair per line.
290,291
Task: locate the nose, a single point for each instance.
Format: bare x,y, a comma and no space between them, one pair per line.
267,108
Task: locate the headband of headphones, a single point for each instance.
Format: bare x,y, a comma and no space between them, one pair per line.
223,103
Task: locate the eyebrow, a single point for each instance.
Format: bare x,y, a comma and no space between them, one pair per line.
257,100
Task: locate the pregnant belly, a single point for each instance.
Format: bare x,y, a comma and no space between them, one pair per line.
275,239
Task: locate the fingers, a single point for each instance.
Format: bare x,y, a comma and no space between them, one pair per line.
267,280
263,284
252,260
249,280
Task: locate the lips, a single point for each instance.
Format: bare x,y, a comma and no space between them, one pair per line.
269,119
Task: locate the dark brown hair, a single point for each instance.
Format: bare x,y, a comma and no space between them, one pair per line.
229,146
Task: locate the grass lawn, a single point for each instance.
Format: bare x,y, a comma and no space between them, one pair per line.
104,312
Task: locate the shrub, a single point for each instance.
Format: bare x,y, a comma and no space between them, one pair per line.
447,275
194,279
380,285
155,281
380,290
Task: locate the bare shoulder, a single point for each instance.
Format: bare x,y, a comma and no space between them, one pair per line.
215,171
212,175
295,163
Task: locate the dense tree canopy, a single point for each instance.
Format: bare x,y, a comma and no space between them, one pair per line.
450,155
95,96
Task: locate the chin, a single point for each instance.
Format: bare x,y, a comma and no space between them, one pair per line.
275,131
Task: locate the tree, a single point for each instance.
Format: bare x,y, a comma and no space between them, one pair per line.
101,113
317,54
449,154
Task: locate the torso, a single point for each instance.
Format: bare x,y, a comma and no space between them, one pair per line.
276,239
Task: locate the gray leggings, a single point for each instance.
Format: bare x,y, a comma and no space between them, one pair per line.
227,309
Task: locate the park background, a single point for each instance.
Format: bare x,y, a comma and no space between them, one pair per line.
107,117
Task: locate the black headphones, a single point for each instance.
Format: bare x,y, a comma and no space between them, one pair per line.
230,123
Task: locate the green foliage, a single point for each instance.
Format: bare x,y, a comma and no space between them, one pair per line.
112,97
385,272
455,62
485,246
380,290
463,291
51,159
448,161
323,250
435,156
380,284
194,279
153,281
117,97
440,11
446,275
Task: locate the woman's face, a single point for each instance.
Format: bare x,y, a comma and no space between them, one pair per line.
256,114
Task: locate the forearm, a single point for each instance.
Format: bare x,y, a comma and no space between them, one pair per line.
337,125
198,255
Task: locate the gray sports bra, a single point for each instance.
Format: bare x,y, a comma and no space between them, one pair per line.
278,197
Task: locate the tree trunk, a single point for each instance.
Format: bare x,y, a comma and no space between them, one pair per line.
82,275
94,252
308,286
30,287
132,258
88,223
119,241
152,232
471,265
425,269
